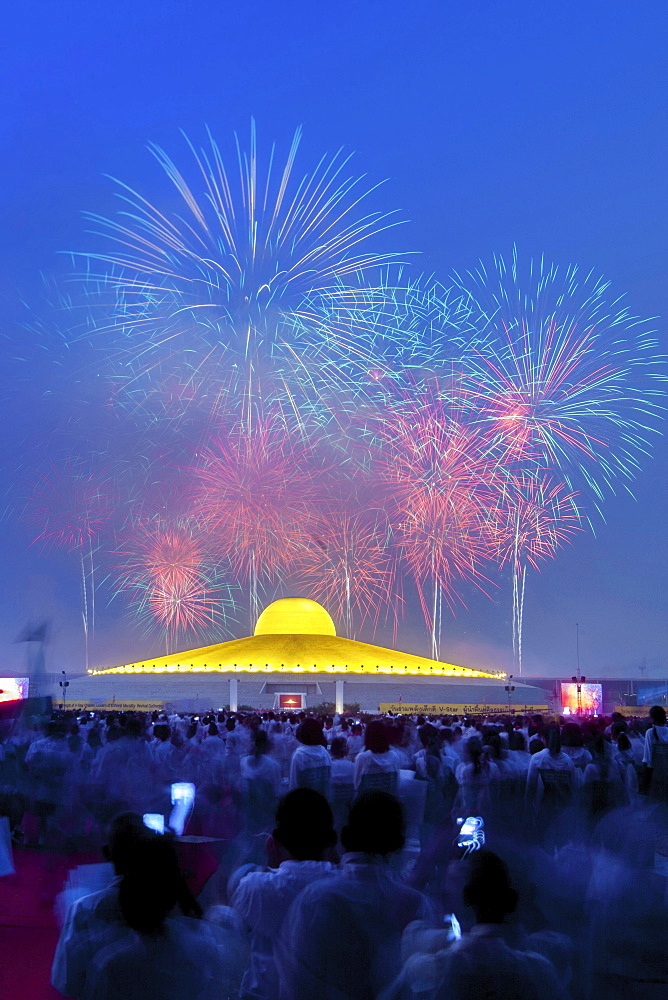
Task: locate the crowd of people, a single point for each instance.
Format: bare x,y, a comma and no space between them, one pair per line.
334,857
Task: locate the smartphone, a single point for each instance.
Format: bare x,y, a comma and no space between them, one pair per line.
471,836
183,800
154,821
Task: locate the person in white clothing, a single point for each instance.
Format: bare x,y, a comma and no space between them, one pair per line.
377,766
97,920
261,785
341,937
303,833
551,779
483,963
657,733
311,765
181,958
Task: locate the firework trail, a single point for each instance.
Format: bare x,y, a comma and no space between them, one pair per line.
534,516
380,341
346,565
561,376
173,579
251,298
71,508
203,291
438,477
256,490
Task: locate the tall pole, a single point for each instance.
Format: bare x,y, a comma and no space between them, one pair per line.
64,685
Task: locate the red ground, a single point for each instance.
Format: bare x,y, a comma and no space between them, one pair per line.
28,929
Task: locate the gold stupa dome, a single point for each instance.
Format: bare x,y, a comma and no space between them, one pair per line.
295,616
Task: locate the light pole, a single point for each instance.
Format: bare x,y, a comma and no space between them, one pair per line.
509,690
579,680
64,685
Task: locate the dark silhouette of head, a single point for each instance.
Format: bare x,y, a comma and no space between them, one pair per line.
571,735
553,740
488,890
304,825
623,742
658,715
516,740
260,742
375,826
125,832
429,737
339,748
152,886
133,729
310,733
376,737
474,753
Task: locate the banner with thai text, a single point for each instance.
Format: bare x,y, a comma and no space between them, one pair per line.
115,706
425,708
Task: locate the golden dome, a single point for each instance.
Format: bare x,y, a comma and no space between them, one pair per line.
295,616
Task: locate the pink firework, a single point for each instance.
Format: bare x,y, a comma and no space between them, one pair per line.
256,490
533,517
439,478
71,508
173,579
347,566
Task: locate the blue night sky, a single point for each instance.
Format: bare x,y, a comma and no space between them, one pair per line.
495,123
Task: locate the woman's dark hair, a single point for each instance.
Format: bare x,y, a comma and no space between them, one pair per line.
192,730
152,886
376,825
516,740
658,715
623,742
430,739
553,740
488,888
376,737
74,741
260,742
474,750
213,729
571,735
310,733
94,738
304,824
339,747
495,746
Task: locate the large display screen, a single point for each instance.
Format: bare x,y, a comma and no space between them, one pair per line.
591,698
291,701
14,688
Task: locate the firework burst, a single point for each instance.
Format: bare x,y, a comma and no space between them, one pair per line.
71,507
173,580
206,289
347,566
561,377
438,477
533,517
256,491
